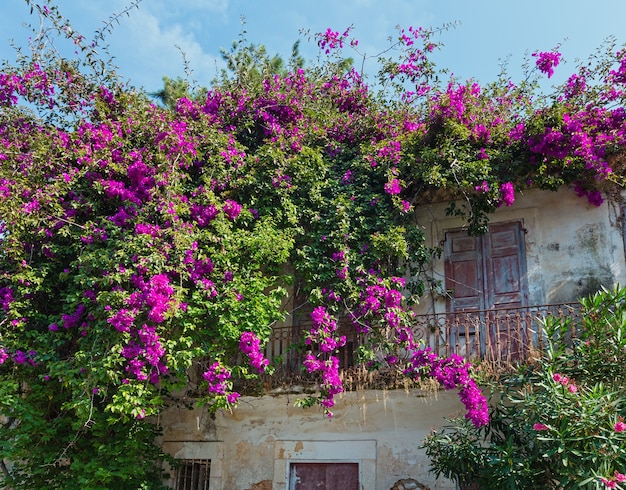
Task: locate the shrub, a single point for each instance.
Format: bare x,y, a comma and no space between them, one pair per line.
558,423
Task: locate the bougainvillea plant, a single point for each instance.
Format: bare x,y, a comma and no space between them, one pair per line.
138,239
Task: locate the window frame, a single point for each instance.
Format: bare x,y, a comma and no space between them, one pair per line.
198,478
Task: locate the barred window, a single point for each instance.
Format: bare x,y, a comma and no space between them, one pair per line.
193,474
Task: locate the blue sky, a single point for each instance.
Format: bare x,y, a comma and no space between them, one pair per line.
486,32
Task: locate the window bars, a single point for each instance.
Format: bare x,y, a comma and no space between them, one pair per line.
193,474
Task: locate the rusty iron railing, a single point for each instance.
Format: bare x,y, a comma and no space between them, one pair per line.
508,335
501,334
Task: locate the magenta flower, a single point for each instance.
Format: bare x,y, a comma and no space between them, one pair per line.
347,177
619,426
507,193
608,483
122,320
540,427
250,345
203,215
546,61
484,187
231,209
20,357
217,377
393,187
6,298
331,39
232,398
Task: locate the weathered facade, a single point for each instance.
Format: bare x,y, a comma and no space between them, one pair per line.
539,256
261,443
568,249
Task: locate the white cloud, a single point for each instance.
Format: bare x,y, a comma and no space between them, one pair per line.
148,49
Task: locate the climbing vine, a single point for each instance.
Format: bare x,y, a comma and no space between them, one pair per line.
137,239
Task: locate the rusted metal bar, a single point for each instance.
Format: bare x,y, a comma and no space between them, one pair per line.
501,334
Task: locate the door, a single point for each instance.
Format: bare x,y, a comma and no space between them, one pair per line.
324,476
485,276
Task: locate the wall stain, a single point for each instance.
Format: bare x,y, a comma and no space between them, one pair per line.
262,485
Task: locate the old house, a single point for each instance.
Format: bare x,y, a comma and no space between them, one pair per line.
489,295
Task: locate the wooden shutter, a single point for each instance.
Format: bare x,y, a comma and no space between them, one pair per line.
486,271
464,271
505,266
485,276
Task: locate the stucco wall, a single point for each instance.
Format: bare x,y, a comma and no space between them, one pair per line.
572,248
251,448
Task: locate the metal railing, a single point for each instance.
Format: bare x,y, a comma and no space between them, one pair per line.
501,334
508,335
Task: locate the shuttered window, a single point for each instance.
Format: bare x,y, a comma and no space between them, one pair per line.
487,271
486,281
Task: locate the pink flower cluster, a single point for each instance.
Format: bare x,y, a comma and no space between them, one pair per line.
232,209
19,357
393,187
72,320
484,187
611,482
546,61
250,345
322,332
146,355
452,372
380,301
145,352
566,382
217,377
6,298
331,381
507,193
330,39
139,188
203,215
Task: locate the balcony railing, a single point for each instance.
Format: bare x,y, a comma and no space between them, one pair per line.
503,335
507,335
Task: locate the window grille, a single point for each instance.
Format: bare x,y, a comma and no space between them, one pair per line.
193,474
